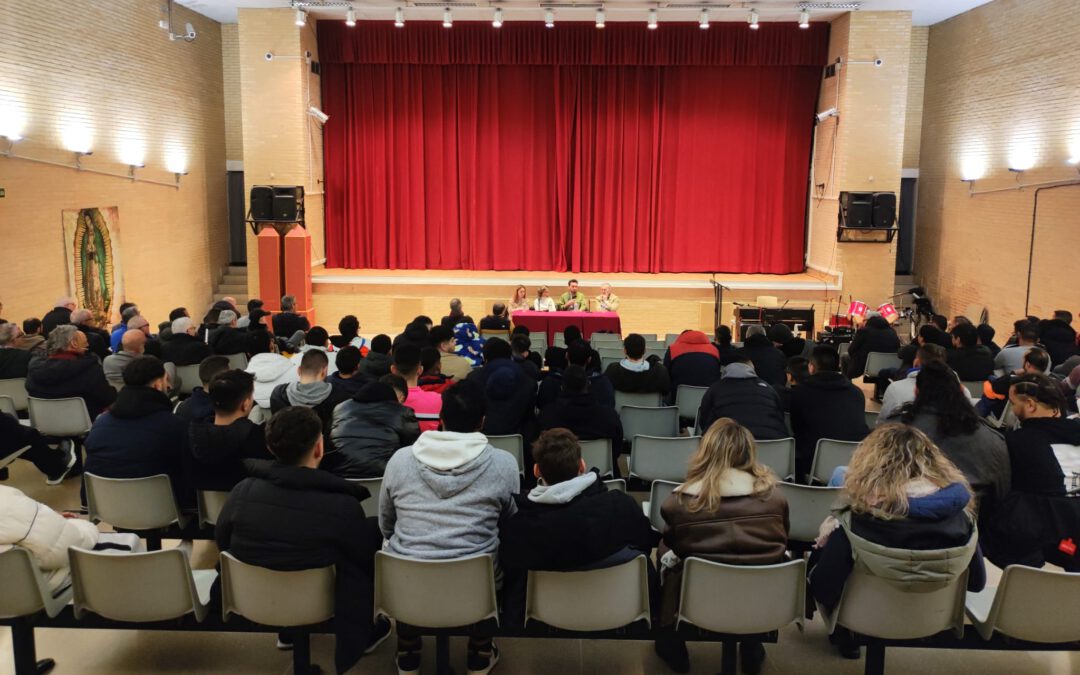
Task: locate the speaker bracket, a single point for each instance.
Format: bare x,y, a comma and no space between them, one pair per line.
865,235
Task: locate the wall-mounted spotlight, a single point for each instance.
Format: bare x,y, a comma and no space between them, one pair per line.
497,19
399,18
804,19
652,19
600,18
178,174
79,154
549,18
319,115
971,185
826,114
132,167
703,19
350,18
11,141
447,18
753,19
301,17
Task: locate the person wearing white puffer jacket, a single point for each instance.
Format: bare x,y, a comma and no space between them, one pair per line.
46,534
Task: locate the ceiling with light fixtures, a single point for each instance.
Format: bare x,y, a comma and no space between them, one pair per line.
924,12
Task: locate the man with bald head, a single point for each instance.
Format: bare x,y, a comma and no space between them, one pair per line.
59,315
132,346
98,339
129,313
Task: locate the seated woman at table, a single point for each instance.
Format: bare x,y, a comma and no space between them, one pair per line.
607,301
544,301
519,301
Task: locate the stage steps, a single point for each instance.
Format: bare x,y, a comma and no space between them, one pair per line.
233,282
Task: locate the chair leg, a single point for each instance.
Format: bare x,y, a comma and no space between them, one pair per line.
153,542
728,658
22,641
302,653
442,655
875,658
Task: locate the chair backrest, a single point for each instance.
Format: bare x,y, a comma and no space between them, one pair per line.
593,600
649,421
538,338
670,339
374,486
828,455
616,484
7,406
154,586
875,361
610,351
16,389
559,340
910,614
1037,605
132,503
60,417
974,388
659,491
491,332
871,417
843,348
605,339
641,400
597,455
187,379
649,337
275,598
768,597
24,590
688,400
606,361
778,455
512,443
210,503
808,506
259,414
662,458
404,588
238,361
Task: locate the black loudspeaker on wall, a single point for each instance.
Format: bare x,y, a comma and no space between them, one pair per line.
277,203
856,209
884,209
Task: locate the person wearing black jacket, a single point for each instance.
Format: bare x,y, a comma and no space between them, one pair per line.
1058,336
368,429
347,377
287,515
198,407
558,358
288,322
746,398
781,336
528,361
71,372
579,412
377,363
579,353
58,315
14,362
510,393
97,339
769,362
876,336
497,320
140,436
569,521
826,405
227,339
532,356
183,348
635,373
724,348
986,334
971,361
218,447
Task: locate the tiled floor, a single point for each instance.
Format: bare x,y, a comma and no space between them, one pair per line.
119,652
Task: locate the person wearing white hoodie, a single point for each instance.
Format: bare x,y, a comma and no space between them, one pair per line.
270,370
444,498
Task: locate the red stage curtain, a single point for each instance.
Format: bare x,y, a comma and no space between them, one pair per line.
689,154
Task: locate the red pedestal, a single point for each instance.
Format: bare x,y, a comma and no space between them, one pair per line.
297,271
270,268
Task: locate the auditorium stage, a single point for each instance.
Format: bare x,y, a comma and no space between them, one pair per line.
385,300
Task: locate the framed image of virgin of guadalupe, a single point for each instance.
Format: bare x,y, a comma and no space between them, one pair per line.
92,252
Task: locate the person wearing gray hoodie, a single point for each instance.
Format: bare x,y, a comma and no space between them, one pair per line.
311,391
444,497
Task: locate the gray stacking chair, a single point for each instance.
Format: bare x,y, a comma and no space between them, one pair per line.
1018,607
616,484
688,400
640,400
15,388
404,588
238,361
140,504
187,378
875,361
597,455
648,421
659,491
974,388
871,418
25,591
210,503
593,600
828,455
659,458
808,506
778,455
374,486
512,443
59,417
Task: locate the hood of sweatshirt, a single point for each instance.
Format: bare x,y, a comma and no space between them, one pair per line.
739,371
502,379
310,394
136,402
213,442
692,341
269,367
450,462
940,504
564,492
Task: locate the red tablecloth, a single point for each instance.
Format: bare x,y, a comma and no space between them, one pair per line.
556,322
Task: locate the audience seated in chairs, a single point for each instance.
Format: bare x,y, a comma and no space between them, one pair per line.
14,362
902,392
316,339
525,352
579,412
875,336
55,463
996,391
635,373
132,346
311,390
347,376
784,339
198,407
270,370
943,412
219,446
579,353
432,378
520,346
455,316
569,521
126,315
252,305
556,358
60,315
728,511
797,371
349,335
905,506
692,360
369,428
725,350
971,361
497,320
744,397
140,436
768,361
443,498
287,323
425,404
227,338
184,348
70,371
826,405
97,339
377,362
453,365
1058,336
288,515
32,339
511,394
1011,358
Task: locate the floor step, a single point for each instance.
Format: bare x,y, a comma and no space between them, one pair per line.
234,279
241,300
232,289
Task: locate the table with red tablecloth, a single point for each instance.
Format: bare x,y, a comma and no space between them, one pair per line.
556,322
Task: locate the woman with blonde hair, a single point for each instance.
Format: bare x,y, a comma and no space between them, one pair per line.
519,301
544,301
904,503
727,511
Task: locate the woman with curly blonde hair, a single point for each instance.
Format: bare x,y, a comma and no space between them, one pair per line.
906,514
727,511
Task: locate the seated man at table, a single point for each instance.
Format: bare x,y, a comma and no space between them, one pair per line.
573,300
607,301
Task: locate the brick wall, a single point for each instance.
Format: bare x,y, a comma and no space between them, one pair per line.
230,71
920,38
869,139
1001,80
108,67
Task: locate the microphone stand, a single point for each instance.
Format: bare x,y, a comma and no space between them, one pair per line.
718,300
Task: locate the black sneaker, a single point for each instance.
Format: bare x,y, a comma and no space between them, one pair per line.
379,632
68,447
672,651
408,663
481,662
751,657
